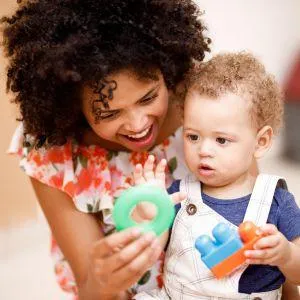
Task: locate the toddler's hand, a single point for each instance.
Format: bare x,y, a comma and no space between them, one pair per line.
156,176
272,249
149,174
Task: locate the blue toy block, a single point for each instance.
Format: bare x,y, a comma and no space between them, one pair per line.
227,241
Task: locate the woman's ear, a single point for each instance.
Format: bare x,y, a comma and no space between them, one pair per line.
263,141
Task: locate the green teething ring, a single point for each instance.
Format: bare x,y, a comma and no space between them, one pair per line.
132,196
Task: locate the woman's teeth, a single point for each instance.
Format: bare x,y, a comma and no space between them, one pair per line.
139,135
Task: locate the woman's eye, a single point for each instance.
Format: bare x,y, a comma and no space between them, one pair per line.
221,141
108,116
193,137
149,99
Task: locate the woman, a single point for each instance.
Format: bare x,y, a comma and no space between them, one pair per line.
95,82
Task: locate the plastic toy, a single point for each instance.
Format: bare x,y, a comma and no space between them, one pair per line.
134,195
226,253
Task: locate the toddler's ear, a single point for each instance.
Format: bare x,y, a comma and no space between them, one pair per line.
263,141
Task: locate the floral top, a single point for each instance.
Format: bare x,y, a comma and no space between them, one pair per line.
94,177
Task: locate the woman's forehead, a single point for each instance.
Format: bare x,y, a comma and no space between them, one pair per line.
120,89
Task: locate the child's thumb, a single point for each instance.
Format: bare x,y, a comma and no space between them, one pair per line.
178,197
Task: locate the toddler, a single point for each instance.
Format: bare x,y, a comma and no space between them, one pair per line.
232,110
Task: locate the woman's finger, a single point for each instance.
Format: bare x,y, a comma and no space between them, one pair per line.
137,267
137,276
128,253
127,276
107,245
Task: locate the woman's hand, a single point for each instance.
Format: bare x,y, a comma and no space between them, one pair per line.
156,176
104,267
119,260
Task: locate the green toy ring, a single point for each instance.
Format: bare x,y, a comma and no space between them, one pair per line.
132,196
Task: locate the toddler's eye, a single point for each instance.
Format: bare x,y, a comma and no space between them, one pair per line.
221,141
193,137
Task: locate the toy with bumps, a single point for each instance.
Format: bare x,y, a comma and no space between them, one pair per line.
226,252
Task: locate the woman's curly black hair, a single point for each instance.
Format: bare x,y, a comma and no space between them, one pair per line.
56,46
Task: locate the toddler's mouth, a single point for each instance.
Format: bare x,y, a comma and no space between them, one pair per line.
205,170
205,167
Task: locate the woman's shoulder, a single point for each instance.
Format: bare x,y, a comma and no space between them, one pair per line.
90,175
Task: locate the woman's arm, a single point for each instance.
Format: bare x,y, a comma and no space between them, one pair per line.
104,267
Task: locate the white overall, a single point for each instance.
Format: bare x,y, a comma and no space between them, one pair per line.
185,275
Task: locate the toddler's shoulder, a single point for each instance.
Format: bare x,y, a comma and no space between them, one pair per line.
282,197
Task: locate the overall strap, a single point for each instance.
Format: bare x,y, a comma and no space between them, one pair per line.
192,187
262,196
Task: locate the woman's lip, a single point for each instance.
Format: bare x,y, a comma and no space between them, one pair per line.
125,135
147,141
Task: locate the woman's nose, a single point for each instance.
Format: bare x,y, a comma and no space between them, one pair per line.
136,121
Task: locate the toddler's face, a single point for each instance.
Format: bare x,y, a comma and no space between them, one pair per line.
219,140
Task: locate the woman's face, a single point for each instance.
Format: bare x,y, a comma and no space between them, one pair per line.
135,113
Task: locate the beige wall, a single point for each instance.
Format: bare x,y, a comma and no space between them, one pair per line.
17,202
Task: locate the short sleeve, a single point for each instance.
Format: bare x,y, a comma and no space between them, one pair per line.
288,214
45,165
89,175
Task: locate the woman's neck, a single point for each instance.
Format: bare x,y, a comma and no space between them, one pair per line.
172,122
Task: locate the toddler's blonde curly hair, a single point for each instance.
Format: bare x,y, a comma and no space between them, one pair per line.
243,75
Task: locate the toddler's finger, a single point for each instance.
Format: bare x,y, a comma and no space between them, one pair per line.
148,168
270,241
160,171
268,229
260,254
178,197
138,174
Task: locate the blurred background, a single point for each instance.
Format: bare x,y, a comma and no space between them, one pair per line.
269,28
